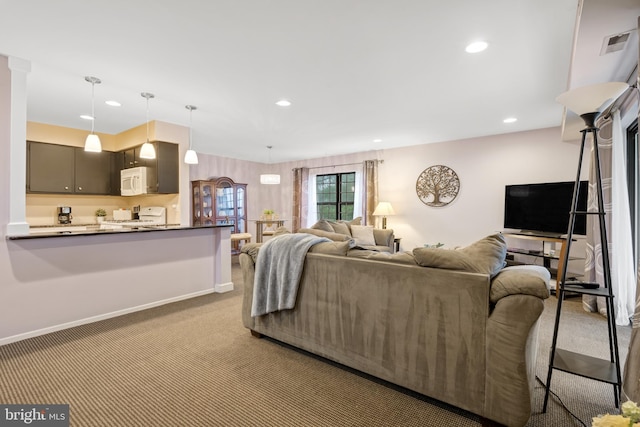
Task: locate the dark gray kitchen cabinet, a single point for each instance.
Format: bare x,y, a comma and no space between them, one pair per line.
60,169
168,166
92,172
50,168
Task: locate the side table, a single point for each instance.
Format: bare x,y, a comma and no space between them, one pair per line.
261,226
396,244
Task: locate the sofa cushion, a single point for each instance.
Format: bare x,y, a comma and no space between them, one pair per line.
336,237
363,235
332,248
323,225
400,257
520,279
484,256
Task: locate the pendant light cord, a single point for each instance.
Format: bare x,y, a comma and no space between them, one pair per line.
147,118
190,127
93,106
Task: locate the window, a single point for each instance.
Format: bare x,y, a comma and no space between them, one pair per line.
335,194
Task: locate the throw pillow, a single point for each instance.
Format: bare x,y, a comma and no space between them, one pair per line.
323,225
484,256
363,234
355,221
340,227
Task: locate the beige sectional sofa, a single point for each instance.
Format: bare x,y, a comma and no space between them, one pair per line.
452,325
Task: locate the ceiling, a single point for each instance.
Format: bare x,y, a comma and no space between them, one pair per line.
356,71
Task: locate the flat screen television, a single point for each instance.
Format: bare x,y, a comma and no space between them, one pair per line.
544,208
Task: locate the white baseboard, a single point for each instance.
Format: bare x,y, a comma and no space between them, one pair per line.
43,331
223,287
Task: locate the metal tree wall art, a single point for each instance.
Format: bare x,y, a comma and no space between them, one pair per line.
437,186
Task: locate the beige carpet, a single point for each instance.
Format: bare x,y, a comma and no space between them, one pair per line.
192,363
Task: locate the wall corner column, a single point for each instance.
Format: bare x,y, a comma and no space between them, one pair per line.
18,68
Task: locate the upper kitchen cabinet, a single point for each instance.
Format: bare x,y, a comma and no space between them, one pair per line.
93,172
163,172
50,168
60,169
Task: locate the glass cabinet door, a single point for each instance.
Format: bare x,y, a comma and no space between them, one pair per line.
241,212
225,201
207,204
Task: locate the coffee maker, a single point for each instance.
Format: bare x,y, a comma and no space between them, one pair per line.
64,215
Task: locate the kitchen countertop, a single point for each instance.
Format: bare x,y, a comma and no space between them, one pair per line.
95,230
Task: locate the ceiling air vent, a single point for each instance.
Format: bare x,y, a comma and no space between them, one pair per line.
615,43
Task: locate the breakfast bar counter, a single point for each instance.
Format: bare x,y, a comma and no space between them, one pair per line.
95,230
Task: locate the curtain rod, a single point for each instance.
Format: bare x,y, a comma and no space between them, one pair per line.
343,164
632,80
622,99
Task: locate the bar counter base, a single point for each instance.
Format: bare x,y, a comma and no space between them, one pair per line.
59,282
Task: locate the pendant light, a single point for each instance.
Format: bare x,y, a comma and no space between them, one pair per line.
147,151
92,143
269,178
190,157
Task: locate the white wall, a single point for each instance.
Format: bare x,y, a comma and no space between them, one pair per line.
484,165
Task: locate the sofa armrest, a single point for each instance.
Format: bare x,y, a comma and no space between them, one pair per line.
511,350
520,280
247,263
383,237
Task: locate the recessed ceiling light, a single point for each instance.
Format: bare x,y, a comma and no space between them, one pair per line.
377,140
476,47
113,103
86,117
283,103
510,120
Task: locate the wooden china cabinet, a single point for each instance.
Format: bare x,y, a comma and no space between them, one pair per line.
220,201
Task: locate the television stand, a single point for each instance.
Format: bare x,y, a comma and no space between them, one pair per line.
543,237
538,233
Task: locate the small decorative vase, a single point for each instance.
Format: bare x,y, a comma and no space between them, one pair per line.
99,219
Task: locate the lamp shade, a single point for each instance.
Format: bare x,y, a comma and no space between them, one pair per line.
147,151
269,179
191,157
92,143
592,99
384,209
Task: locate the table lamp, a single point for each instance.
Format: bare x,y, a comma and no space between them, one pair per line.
384,209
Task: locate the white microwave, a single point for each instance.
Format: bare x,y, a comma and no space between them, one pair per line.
133,181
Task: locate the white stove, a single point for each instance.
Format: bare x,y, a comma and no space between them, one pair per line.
149,216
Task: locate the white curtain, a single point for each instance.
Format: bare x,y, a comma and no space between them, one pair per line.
623,275
312,214
613,168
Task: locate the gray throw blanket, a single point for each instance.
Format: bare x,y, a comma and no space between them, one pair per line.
278,271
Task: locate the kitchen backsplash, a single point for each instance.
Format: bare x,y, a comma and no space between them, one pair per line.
42,209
